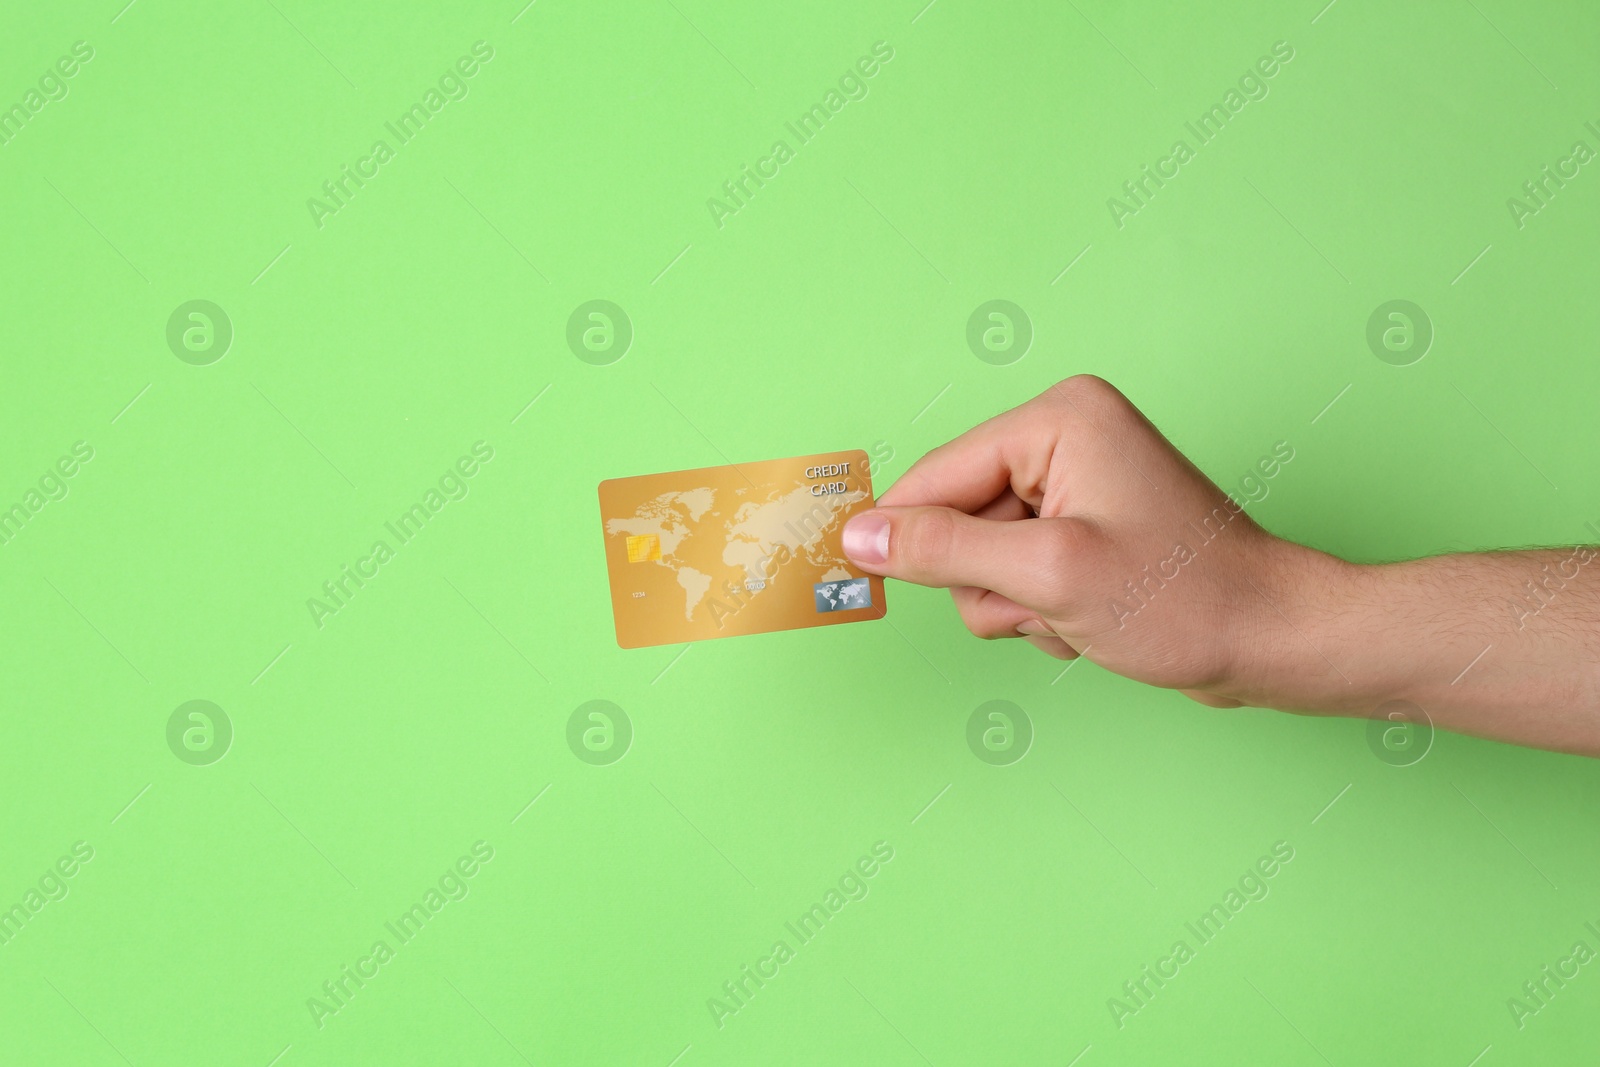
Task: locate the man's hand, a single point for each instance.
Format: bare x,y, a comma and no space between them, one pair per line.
1072,522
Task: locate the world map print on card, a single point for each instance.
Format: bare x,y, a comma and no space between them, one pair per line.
740,549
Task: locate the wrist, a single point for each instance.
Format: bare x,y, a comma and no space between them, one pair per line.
1310,624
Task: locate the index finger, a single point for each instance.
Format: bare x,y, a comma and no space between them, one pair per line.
1011,450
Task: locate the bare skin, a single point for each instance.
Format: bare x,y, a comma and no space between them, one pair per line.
1071,522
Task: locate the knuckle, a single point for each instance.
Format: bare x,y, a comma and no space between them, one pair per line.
979,627
1087,389
926,540
978,614
1084,382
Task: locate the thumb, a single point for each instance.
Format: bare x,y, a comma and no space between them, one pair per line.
1022,559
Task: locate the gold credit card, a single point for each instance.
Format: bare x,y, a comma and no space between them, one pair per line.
744,549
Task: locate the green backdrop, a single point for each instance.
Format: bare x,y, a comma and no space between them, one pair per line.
234,456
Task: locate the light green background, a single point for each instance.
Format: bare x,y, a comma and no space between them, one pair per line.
829,313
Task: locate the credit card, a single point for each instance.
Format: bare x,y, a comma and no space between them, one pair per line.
748,548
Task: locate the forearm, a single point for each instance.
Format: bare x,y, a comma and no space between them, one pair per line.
1503,645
